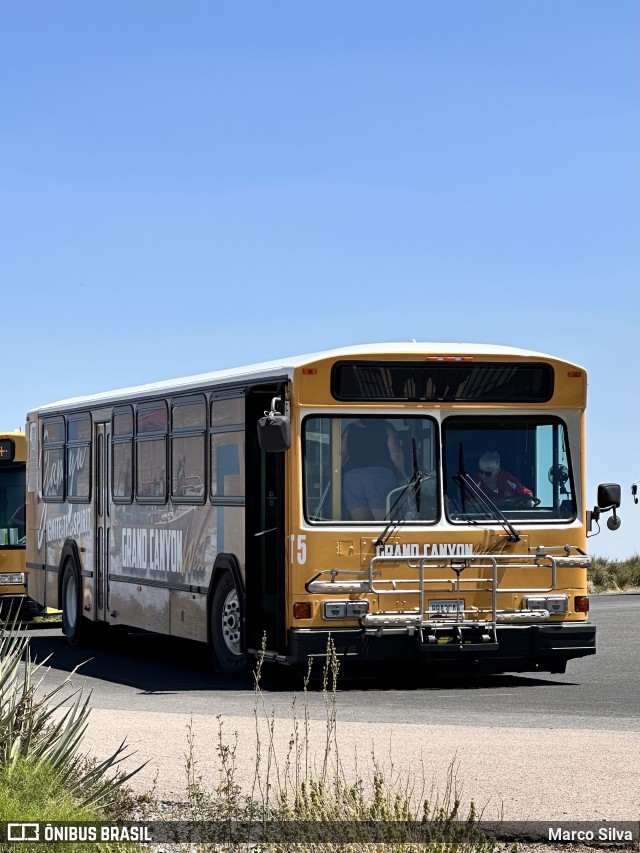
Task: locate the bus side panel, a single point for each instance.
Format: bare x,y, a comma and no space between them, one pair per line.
35,585
51,590
139,606
161,564
69,533
188,615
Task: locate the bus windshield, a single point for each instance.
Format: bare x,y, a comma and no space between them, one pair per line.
370,468
12,505
519,466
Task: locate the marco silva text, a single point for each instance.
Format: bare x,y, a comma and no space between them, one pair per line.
609,833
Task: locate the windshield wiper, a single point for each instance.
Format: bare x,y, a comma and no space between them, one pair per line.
416,472
465,481
462,473
410,490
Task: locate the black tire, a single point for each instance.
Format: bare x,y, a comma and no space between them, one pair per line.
28,609
73,625
226,615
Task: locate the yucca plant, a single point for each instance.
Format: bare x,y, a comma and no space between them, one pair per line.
35,725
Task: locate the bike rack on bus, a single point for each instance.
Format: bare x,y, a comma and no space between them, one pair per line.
470,627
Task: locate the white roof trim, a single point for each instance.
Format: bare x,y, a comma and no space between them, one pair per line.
283,367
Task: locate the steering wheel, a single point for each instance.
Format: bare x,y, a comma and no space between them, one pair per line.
520,502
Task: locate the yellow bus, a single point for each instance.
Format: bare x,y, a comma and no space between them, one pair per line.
419,503
13,523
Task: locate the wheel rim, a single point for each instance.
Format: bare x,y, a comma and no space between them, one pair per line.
71,601
230,622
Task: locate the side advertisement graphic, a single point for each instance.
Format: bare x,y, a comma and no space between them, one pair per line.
156,550
72,524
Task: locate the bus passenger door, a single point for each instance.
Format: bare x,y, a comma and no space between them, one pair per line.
265,533
102,520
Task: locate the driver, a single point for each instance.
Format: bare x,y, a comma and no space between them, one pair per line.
370,464
494,482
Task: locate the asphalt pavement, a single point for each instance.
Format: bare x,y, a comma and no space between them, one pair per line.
561,747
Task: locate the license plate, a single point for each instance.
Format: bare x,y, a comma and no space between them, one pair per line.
446,606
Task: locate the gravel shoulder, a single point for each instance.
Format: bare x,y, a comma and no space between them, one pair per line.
511,774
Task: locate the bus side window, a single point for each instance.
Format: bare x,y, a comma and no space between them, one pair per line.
151,452
53,435
79,457
188,429
226,447
122,454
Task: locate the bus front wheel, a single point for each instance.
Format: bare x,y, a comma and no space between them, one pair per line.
226,626
72,620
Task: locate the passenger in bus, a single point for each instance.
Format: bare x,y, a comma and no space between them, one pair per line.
372,466
496,483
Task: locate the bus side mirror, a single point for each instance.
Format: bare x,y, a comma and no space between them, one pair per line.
274,429
609,497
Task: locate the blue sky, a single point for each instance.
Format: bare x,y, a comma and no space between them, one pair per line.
197,185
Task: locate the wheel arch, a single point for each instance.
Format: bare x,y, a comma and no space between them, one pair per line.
226,563
69,550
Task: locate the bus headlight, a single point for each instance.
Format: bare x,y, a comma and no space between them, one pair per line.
12,578
345,609
552,603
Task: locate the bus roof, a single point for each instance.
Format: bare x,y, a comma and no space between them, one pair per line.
283,368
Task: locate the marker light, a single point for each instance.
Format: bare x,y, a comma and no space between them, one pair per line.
7,449
448,358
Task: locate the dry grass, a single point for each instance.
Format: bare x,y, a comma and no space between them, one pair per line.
615,575
297,803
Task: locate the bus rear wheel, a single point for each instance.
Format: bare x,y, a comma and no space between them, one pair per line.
72,621
226,626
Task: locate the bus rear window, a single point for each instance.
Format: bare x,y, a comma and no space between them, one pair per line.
493,382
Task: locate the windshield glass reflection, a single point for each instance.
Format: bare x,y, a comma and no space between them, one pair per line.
370,469
517,467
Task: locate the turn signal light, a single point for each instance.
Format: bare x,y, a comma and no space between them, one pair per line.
581,603
302,610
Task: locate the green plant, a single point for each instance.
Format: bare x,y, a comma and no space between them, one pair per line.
30,791
37,728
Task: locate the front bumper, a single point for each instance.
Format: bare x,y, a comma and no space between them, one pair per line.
519,648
